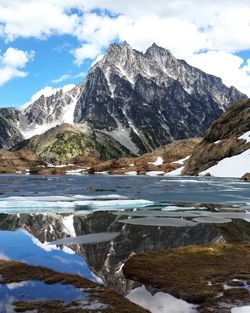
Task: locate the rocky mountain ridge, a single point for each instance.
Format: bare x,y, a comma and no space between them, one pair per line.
142,100
227,139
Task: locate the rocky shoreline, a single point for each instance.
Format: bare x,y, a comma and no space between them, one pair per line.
163,160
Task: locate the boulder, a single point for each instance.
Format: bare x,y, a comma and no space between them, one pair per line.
246,177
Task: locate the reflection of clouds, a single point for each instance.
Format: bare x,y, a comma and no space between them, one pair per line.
6,305
12,286
68,250
3,256
68,261
160,302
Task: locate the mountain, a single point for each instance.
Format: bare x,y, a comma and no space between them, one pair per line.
131,95
9,131
63,142
225,150
142,100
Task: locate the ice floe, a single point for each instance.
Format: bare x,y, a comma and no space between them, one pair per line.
69,204
86,239
154,221
112,204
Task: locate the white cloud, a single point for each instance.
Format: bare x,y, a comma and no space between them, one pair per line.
61,78
226,65
68,77
182,26
33,18
12,61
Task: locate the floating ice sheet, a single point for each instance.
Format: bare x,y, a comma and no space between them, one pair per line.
212,220
112,204
154,221
86,239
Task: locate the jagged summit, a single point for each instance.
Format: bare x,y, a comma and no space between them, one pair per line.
142,100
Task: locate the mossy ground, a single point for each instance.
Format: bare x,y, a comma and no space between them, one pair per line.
12,271
196,274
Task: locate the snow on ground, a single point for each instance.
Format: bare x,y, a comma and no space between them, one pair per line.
236,166
243,309
131,173
38,129
246,136
78,171
176,172
181,161
160,302
159,161
154,173
68,222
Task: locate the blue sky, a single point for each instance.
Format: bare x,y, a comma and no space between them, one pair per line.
52,43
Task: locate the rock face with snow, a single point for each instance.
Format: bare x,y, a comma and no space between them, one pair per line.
142,100
151,99
48,112
225,150
66,141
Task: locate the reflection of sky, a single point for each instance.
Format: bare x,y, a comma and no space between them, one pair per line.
21,246
36,290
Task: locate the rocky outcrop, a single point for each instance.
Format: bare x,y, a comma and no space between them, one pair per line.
164,159
246,177
227,137
21,161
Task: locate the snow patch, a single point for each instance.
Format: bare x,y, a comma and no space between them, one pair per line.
160,302
243,309
131,173
176,172
181,161
246,136
155,173
159,161
236,166
68,222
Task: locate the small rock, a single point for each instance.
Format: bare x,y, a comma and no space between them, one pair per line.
246,177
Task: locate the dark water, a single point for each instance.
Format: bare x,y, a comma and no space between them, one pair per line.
158,189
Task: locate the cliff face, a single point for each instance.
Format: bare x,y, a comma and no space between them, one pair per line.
150,99
227,138
9,131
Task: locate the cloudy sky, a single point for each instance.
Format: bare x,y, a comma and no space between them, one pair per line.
47,44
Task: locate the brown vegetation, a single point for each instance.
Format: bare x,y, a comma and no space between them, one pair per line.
12,271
